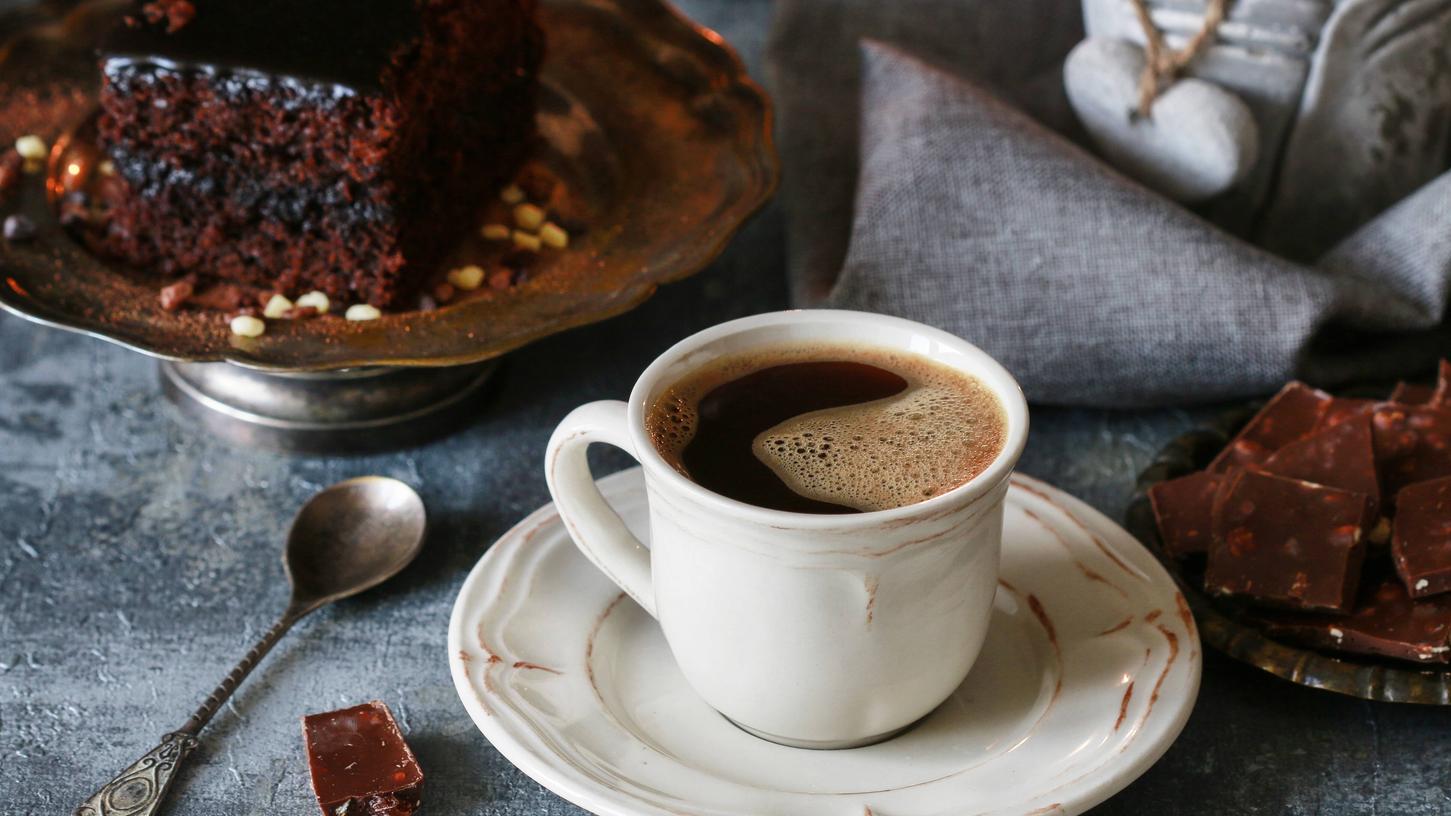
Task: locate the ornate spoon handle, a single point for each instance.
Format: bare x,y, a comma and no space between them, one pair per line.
140,789
239,672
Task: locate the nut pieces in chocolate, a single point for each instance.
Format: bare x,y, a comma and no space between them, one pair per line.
1329,520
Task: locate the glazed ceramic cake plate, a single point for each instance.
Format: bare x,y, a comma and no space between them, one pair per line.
1089,672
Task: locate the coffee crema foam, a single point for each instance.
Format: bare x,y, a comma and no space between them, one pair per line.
945,428
938,434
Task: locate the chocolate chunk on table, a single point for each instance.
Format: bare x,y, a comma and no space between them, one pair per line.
360,764
1341,455
1412,444
1183,508
1289,543
1289,415
1387,622
1421,543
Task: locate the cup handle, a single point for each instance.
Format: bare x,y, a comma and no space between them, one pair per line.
595,527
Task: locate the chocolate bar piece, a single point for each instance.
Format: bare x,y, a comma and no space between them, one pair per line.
1182,507
1387,622
1340,456
1421,543
1286,542
1412,393
1442,395
1344,409
1289,415
360,764
1412,444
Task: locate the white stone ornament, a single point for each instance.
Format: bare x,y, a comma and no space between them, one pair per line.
1200,141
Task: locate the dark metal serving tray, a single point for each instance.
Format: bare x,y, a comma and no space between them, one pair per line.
1222,626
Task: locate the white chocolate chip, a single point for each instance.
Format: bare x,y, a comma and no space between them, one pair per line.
317,300
529,217
512,194
466,278
248,326
1422,584
554,236
277,306
362,311
524,240
1336,633
496,232
31,148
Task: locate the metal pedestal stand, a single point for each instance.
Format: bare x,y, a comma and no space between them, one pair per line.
352,411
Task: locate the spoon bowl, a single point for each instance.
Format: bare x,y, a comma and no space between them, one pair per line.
351,537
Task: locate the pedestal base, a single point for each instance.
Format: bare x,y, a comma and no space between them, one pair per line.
357,410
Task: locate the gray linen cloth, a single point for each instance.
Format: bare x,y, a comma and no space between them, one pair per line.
928,175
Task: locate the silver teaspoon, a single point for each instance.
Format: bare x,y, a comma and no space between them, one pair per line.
348,538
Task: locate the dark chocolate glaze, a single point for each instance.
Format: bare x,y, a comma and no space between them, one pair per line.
347,45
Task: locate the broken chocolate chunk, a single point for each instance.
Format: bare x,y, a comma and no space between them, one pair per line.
1387,622
1238,453
1412,393
1182,508
1442,395
1421,543
1412,444
1289,415
360,764
1342,456
1344,409
1286,542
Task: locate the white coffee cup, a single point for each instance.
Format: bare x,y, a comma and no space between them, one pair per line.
820,631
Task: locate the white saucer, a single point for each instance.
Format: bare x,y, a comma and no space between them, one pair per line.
1089,672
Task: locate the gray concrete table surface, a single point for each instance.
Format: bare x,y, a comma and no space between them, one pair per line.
138,559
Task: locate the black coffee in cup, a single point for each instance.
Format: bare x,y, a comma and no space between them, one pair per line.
827,429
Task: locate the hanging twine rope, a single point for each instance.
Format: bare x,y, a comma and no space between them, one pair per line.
1163,64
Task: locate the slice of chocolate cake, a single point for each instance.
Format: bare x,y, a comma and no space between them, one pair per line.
293,145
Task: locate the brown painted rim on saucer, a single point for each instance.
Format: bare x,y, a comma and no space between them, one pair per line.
1221,626
649,119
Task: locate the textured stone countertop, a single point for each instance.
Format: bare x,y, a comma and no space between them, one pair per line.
138,559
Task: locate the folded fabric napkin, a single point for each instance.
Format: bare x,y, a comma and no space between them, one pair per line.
932,172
